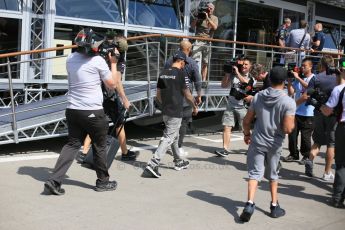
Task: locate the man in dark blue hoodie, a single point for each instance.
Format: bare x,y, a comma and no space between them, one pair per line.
274,111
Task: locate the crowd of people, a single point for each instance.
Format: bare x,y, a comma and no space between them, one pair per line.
288,102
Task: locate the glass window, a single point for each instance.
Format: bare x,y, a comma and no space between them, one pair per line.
105,10
10,4
332,36
64,35
159,13
225,11
10,34
257,27
295,17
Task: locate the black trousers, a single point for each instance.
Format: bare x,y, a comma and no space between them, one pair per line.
303,125
185,123
339,180
80,123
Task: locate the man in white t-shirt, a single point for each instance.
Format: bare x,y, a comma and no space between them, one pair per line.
336,102
84,112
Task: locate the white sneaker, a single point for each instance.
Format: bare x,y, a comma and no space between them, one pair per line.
328,177
182,152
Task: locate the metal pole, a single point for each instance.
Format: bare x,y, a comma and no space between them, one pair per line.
148,78
14,120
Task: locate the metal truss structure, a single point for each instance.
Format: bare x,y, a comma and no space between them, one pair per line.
37,111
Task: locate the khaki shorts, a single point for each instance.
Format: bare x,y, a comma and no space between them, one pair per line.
201,51
232,116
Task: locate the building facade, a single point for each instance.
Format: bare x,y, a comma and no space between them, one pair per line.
38,24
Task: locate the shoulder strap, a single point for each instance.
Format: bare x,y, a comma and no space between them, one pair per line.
340,104
300,44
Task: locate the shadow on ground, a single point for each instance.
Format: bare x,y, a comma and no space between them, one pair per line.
43,173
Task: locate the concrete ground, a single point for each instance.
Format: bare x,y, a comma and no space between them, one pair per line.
210,194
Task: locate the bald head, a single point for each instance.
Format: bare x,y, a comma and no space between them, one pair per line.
185,47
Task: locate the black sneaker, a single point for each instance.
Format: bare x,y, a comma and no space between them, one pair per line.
222,153
54,188
290,158
309,168
80,157
105,186
152,170
247,212
182,164
276,211
129,156
303,160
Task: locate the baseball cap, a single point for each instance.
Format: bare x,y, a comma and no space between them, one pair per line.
180,55
278,74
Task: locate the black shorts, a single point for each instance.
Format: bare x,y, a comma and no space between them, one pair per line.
324,130
115,111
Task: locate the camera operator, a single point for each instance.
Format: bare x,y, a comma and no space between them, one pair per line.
84,111
205,24
236,109
115,100
192,72
336,103
324,129
304,113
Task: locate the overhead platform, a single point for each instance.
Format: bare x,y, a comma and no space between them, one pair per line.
46,118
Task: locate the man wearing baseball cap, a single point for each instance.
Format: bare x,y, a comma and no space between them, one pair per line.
172,87
274,111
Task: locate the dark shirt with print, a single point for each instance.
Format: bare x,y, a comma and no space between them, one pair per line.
281,34
172,82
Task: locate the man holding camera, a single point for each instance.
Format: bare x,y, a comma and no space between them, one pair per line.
205,24
236,109
297,85
324,129
115,100
274,113
84,111
336,104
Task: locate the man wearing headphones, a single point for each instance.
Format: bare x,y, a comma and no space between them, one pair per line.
84,111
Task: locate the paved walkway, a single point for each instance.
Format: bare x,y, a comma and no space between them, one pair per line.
208,195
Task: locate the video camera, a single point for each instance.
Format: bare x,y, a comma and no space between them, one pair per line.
292,67
316,98
243,91
228,65
203,10
108,46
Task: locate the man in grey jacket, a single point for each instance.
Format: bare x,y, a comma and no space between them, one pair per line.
274,111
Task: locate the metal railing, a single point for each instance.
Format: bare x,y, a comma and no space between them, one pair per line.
144,60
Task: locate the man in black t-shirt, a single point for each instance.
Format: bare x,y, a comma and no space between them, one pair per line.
172,87
324,131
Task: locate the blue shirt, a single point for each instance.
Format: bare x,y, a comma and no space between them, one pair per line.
319,36
302,109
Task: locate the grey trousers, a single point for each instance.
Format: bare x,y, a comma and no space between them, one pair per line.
170,138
